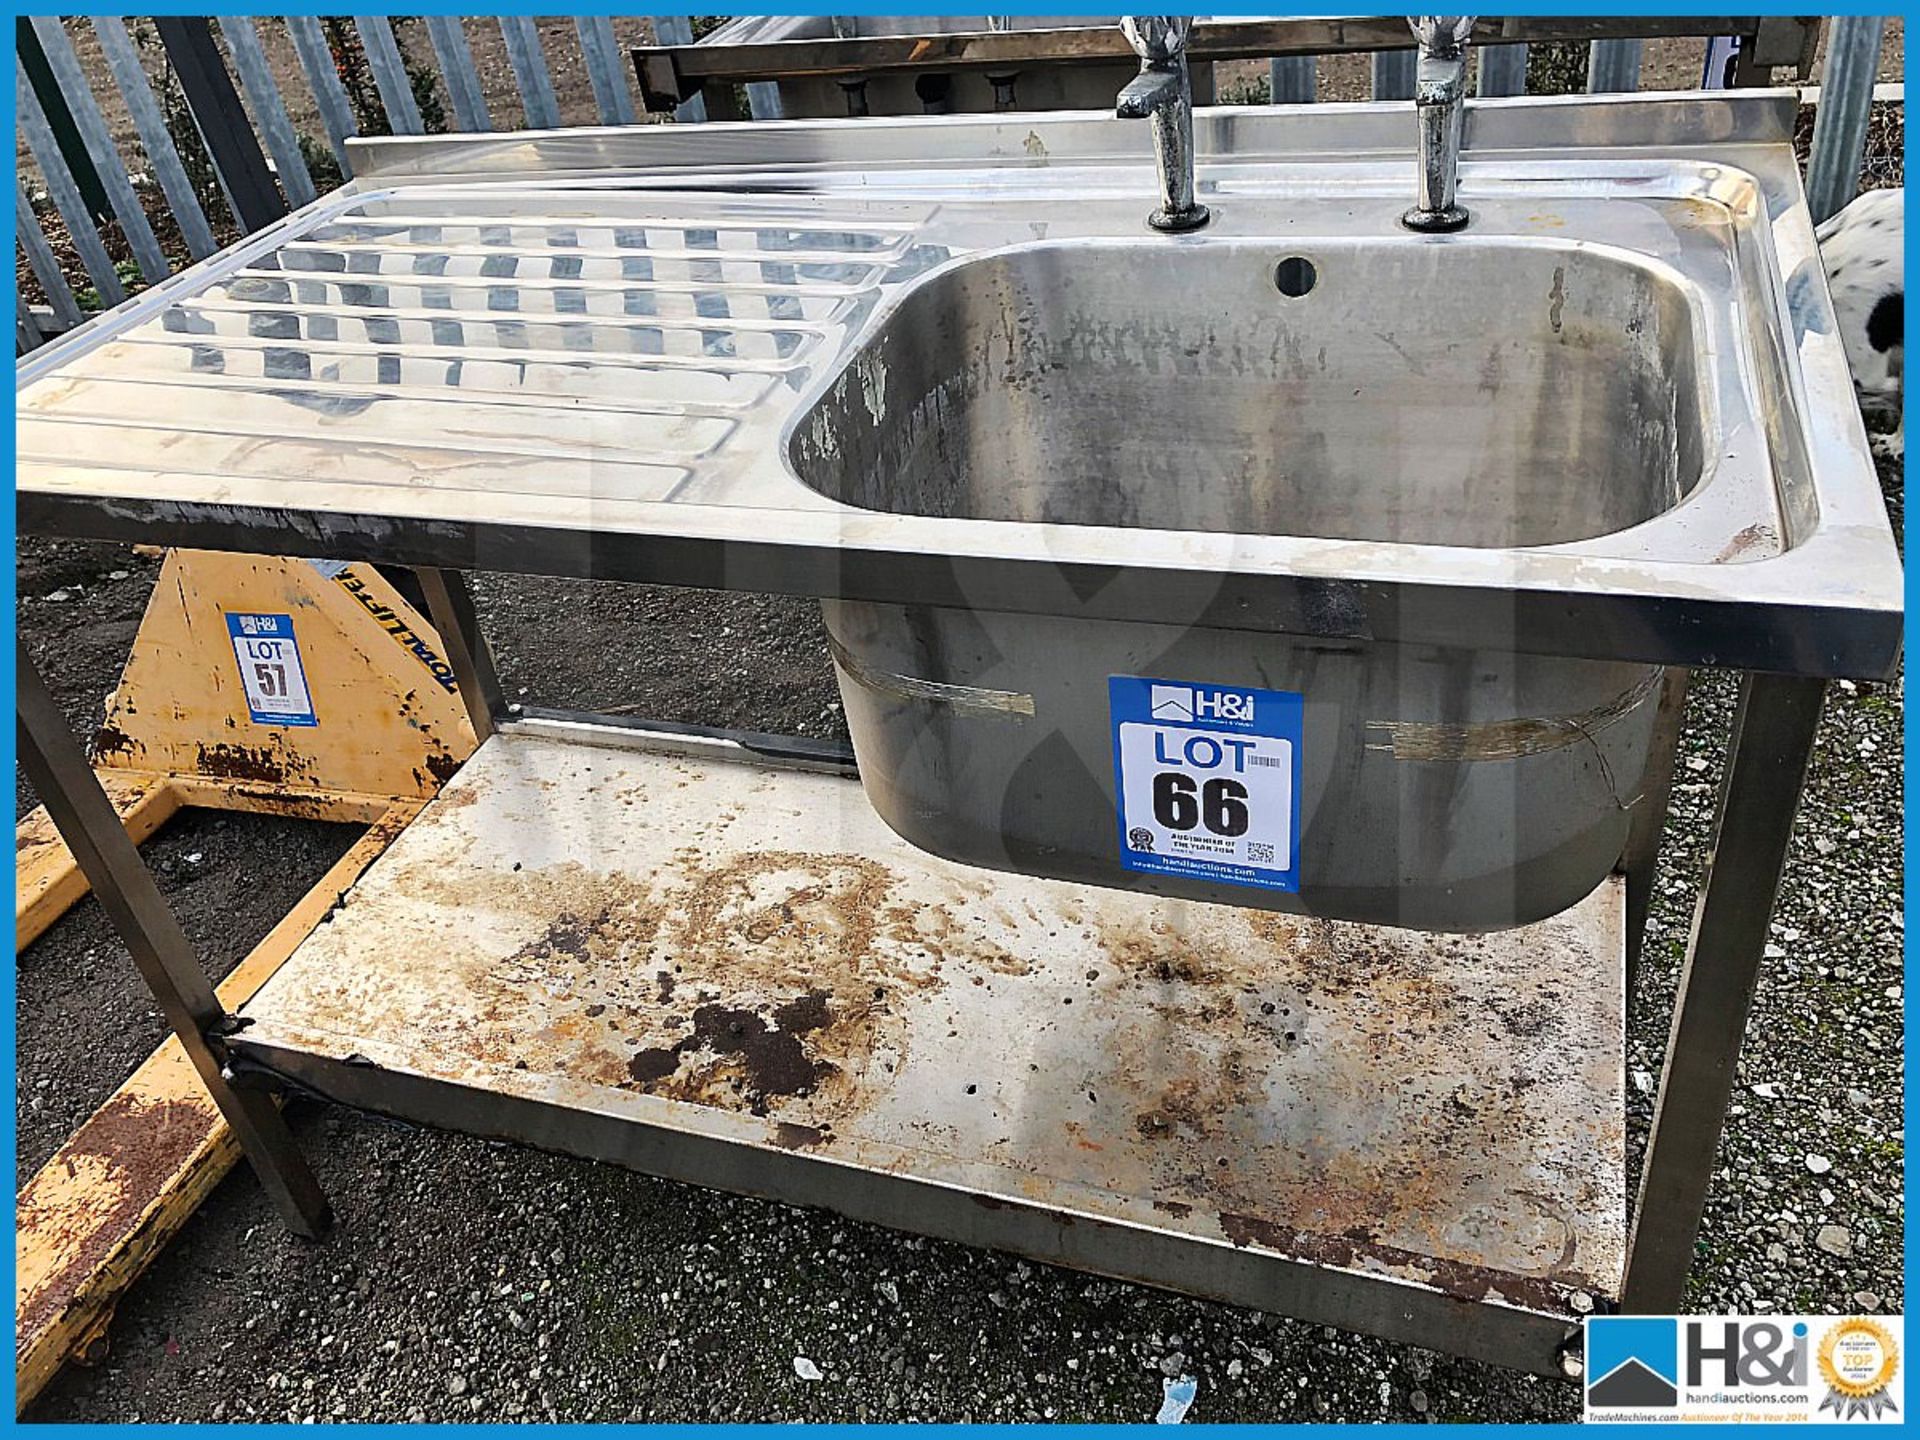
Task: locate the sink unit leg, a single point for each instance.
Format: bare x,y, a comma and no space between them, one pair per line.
1768,752
450,607
1649,824
107,856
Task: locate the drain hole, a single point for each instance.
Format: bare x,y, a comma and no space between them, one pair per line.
1295,276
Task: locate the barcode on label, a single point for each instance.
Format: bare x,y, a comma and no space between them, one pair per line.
1259,854
1275,760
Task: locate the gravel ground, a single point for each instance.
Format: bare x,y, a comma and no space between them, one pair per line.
470,1280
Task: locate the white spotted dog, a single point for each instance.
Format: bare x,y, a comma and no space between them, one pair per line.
1861,248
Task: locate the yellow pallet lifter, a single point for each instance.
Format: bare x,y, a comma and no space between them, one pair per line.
308,689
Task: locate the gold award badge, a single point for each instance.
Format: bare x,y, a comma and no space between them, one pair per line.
1858,1360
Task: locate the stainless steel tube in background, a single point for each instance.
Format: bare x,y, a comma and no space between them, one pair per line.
1291,79
1840,123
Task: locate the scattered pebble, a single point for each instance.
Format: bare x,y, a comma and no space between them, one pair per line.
806,1369
1176,1398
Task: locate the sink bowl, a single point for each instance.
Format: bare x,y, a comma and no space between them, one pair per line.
1354,390
1182,387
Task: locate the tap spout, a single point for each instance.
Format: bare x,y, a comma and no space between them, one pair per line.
1162,94
1152,90
1440,84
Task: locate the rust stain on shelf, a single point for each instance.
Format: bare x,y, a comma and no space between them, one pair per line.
1355,1095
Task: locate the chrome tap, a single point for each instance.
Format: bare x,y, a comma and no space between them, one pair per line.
1440,85
1163,92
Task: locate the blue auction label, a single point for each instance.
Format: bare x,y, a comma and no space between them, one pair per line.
271,675
1209,780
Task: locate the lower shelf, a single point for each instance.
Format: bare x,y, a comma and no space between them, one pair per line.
661,952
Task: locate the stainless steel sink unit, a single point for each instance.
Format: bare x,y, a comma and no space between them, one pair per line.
1463,493
1466,506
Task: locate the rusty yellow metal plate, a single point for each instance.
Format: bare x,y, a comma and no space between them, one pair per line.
382,714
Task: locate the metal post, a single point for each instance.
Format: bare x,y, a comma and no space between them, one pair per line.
1503,71
678,30
1393,74
27,334
124,62
223,123
64,192
329,95
46,265
1292,79
450,48
108,167
450,607
604,71
1613,66
764,102
1840,121
51,91
109,859
389,74
250,64
529,64
1767,757
1649,821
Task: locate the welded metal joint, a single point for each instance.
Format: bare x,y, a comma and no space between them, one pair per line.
1439,93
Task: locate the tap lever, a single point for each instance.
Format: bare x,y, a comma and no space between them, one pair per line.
1157,39
1443,36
